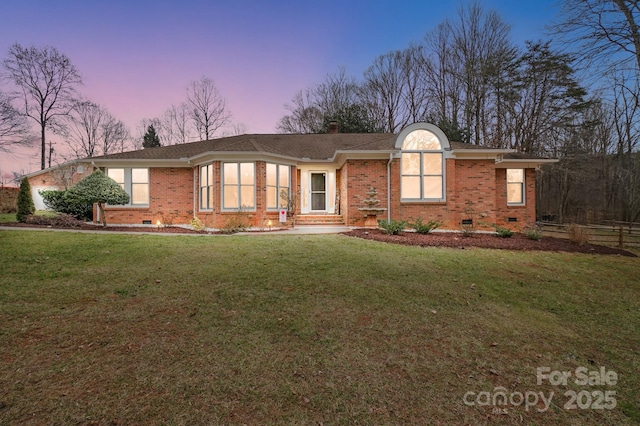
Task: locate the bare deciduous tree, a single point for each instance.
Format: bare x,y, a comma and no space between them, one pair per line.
604,33
395,88
14,129
382,90
46,81
442,85
177,127
312,108
304,117
207,107
481,42
626,112
337,92
237,129
115,136
93,131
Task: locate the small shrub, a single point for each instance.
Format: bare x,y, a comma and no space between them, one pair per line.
291,201
468,223
503,232
25,201
61,220
234,223
166,219
425,228
578,234
532,232
392,227
197,224
468,228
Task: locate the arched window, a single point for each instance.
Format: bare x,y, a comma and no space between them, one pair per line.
422,165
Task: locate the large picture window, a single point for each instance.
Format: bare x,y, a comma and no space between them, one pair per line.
239,186
515,187
422,167
135,182
206,187
278,184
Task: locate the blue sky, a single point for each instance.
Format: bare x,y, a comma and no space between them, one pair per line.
137,56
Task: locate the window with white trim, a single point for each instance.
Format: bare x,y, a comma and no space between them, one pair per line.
278,184
135,182
422,167
515,187
239,186
206,187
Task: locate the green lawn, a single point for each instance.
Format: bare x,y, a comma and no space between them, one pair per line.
115,329
11,217
7,217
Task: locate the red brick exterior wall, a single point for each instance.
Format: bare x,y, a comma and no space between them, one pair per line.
170,199
524,215
342,184
61,178
475,189
216,218
357,177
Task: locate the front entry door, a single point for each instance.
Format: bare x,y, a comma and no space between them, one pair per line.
318,191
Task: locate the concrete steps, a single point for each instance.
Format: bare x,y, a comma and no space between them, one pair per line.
319,219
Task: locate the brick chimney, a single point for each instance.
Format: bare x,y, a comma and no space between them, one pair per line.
333,127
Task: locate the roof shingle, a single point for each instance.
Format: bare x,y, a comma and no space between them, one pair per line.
299,146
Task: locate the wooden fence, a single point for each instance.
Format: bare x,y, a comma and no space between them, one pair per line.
620,234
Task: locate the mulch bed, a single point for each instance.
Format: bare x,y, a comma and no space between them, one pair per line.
482,240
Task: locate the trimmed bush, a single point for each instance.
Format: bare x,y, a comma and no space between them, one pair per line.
25,201
68,203
234,223
60,220
197,224
503,232
425,228
578,234
532,232
392,227
100,189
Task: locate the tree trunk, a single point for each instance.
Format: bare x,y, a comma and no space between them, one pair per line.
103,215
43,148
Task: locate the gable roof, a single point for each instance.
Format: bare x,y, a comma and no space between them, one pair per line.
308,147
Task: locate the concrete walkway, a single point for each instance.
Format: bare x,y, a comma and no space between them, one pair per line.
298,230
303,229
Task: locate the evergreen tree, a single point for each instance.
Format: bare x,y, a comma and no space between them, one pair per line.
25,202
151,139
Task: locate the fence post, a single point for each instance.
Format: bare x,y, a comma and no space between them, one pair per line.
620,237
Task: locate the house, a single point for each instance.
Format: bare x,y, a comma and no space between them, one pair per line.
417,173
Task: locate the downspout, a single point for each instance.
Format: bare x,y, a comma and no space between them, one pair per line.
194,190
389,187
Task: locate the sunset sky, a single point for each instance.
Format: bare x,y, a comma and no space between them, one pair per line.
137,56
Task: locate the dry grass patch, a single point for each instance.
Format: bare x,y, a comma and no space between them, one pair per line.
302,329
